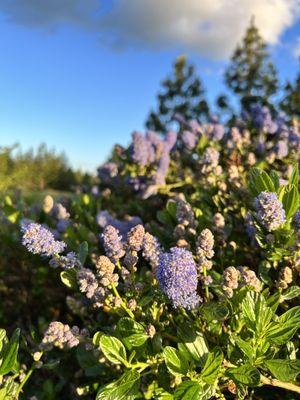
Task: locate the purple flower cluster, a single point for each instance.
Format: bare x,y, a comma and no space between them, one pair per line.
143,151
112,243
39,240
189,139
107,171
70,260
177,276
211,157
151,150
216,129
296,220
61,336
104,218
281,149
151,250
262,119
269,210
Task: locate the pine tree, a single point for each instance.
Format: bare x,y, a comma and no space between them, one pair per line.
291,101
182,93
251,75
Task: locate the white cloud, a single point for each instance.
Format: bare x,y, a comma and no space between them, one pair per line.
209,27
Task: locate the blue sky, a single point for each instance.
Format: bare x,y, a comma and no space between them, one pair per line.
79,87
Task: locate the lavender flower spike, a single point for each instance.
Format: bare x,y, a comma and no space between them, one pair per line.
112,243
177,276
269,210
39,240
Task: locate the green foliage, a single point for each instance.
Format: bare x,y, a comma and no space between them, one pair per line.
182,94
251,74
36,170
290,103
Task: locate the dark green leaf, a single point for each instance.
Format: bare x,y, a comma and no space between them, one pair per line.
284,370
246,347
245,374
131,332
83,252
290,200
212,366
282,330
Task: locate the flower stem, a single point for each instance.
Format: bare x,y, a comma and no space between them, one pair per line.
206,287
27,376
280,384
116,293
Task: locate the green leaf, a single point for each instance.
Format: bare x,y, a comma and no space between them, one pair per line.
245,374
83,252
291,293
188,390
125,388
294,178
214,311
210,371
284,370
3,393
290,200
194,342
113,349
256,312
68,278
246,347
3,339
275,179
96,338
9,354
192,390
131,332
282,330
176,363
259,181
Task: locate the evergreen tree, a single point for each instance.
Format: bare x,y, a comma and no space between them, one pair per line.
251,74
181,93
291,101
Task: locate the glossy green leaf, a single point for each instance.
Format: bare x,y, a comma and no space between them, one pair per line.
291,293
113,349
9,354
68,278
176,363
194,342
131,332
212,366
282,330
125,388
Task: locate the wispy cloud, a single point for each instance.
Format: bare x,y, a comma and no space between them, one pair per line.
210,27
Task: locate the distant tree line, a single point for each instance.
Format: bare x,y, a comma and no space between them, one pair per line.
37,170
250,75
